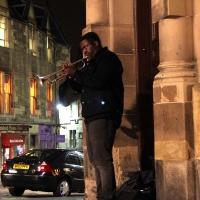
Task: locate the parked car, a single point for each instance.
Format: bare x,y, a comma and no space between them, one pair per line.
51,170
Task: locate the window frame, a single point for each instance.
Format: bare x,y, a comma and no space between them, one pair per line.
32,38
2,92
34,97
49,99
8,96
72,139
4,39
50,48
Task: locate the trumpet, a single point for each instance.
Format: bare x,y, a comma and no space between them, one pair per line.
42,79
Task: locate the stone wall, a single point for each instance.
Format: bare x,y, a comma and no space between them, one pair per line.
113,21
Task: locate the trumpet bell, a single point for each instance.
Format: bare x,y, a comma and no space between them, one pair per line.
41,80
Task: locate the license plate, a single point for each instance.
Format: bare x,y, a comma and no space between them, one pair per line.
20,166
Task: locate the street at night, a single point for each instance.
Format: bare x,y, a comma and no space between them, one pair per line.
4,195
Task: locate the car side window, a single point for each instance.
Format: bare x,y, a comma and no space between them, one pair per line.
72,158
80,155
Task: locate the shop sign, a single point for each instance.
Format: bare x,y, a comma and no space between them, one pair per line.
9,139
60,138
46,137
14,128
16,141
46,132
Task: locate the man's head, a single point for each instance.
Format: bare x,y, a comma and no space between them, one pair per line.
90,43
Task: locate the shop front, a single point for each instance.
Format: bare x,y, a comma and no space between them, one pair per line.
13,145
13,139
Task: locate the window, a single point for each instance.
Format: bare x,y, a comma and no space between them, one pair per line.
72,138
33,141
8,94
79,109
80,135
32,39
2,29
49,100
49,49
1,93
33,97
72,158
32,155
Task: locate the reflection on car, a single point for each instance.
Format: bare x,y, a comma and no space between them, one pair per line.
50,170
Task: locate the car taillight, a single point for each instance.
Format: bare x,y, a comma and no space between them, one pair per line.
5,166
44,167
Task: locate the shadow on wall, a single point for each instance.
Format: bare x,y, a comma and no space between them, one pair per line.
138,125
131,130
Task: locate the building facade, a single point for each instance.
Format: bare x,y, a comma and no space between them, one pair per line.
31,44
71,123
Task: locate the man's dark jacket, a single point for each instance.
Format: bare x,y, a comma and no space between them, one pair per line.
101,86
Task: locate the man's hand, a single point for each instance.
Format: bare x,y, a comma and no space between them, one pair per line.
68,69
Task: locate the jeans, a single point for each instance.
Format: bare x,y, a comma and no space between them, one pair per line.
100,136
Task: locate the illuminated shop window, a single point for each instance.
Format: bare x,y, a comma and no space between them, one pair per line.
49,100
32,38
8,93
33,97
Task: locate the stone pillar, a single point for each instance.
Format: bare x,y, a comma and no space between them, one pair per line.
173,116
113,21
196,96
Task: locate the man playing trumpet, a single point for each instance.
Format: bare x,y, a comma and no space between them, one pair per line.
102,93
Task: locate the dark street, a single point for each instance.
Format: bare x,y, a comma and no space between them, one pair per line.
4,195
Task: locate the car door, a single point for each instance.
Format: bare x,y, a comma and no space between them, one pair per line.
75,166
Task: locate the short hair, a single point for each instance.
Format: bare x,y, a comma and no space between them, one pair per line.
91,37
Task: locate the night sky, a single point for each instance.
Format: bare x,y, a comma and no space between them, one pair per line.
71,17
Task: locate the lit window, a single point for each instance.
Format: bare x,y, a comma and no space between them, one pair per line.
1,92
33,97
2,28
32,39
49,100
49,49
8,94
72,138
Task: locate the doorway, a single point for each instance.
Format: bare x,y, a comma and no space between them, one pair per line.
147,60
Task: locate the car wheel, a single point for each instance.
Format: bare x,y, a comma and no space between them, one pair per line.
16,191
63,188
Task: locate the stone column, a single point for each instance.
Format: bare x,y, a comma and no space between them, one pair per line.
173,116
113,21
196,96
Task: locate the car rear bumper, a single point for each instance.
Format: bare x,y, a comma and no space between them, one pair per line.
43,182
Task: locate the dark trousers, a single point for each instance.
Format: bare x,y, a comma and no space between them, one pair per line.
100,138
